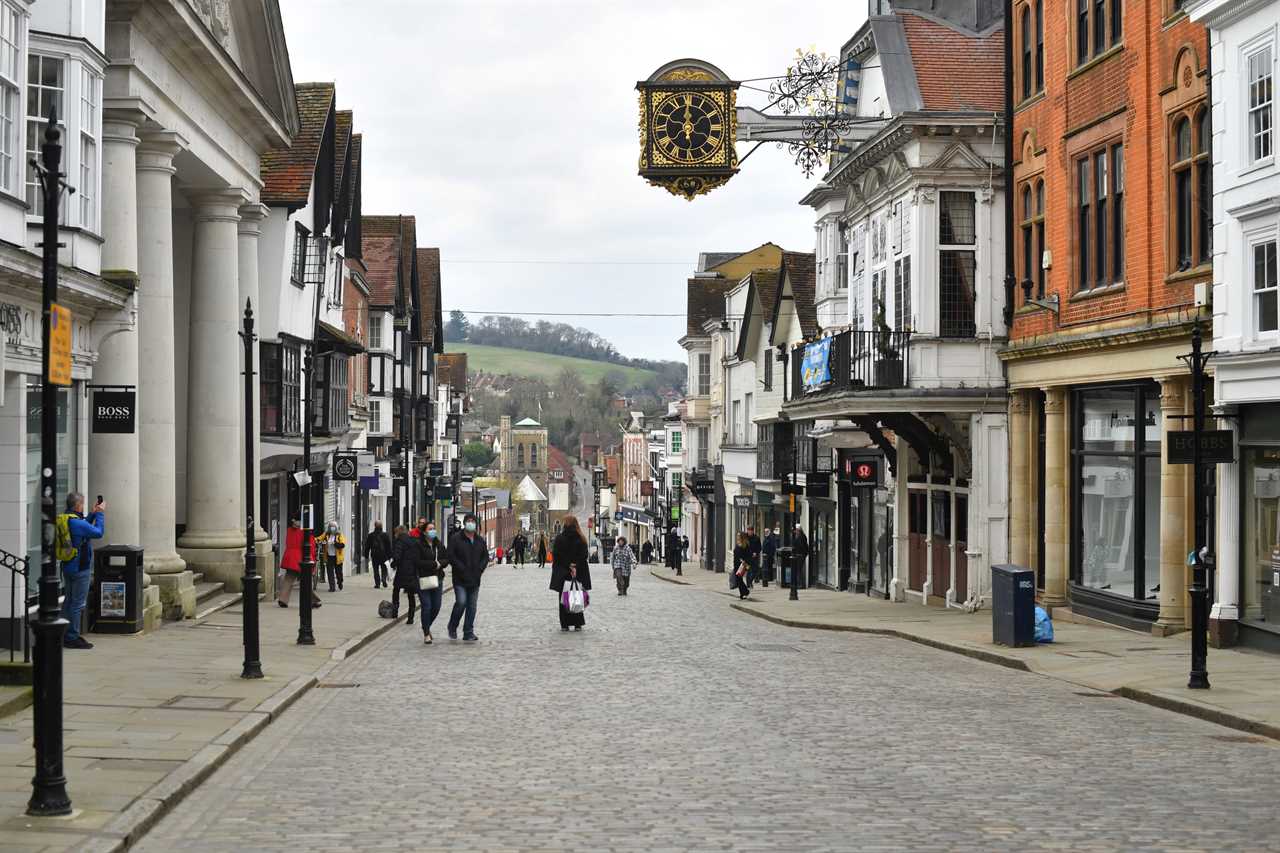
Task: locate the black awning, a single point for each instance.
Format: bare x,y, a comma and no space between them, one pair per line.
331,338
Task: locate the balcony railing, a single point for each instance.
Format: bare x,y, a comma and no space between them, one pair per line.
862,360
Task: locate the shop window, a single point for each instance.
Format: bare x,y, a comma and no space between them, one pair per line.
1264,287
1192,202
957,236
1261,514
1117,490
1261,100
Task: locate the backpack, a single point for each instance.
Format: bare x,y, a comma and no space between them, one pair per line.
63,551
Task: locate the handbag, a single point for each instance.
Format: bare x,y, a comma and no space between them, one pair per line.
429,582
574,598
742,569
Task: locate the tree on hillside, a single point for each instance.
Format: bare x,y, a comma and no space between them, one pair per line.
476,454
458,328
569,387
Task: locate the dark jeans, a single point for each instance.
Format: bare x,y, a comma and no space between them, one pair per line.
624,582
740,584
431,601
410,594
464,604
753,574
334,569
768,570
520,557
77,593
379,572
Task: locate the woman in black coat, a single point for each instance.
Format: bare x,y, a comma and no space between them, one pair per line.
569,562
406,553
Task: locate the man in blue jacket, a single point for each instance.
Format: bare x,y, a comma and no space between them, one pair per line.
77,573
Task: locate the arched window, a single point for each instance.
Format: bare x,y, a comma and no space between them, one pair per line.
1191,189
1025,29
1031,209
533,456
520,455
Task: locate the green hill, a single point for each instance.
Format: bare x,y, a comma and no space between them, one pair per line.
541,365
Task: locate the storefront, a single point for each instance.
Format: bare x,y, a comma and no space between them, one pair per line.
1259,460
865,523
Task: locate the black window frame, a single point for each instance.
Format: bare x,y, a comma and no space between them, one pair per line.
271,410
1099,26
1099,226
1031,232
957,313
1190,182
301,245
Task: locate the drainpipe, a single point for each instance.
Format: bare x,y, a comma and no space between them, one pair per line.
1009,275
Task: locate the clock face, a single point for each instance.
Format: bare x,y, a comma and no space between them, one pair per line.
688,127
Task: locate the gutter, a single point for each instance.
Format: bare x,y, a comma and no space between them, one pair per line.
1010,277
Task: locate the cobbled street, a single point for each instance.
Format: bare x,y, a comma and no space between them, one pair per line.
675,723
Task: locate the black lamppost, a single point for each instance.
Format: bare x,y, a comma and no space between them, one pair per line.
308,564
1200,558
49,785
249,596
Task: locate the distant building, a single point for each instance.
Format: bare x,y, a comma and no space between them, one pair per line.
522,451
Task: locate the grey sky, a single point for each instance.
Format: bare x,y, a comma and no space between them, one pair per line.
509,130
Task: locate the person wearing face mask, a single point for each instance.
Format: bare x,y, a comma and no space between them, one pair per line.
406,554
333,546
433,559
469,556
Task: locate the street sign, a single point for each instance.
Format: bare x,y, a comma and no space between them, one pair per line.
59,344
675,513
1216,445
617,516
345,467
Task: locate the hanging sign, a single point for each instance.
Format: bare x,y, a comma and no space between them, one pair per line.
345,467
742,501
59,344
365,465
815,369
114,412
704,488
435,469
863,472
817,488
1216,445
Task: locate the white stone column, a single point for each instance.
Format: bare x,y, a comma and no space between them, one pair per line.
1225,615
157,396
900,582
1056,502
1019,478
1174,489
250,231
113,458
214,539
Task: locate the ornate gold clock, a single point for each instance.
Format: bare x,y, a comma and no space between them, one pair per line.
688,122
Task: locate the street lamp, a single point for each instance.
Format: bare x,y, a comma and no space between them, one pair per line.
49,785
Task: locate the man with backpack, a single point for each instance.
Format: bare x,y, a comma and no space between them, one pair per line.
74,550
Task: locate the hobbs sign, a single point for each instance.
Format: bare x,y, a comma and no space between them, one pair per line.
114,411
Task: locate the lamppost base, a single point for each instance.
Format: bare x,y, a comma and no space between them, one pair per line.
1198,681
307,639
254,670
49,798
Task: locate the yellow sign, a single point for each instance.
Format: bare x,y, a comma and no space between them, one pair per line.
59,345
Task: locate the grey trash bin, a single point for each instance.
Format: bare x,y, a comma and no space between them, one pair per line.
1013,604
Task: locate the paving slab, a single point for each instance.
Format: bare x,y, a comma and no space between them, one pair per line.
147,717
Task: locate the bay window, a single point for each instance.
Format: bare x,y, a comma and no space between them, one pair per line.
329,393
87,189
280,388
269,388
957,264
46,86
11,23
704,374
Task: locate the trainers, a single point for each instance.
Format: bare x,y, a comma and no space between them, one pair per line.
282,603
453,633
426,638
469,638
77,643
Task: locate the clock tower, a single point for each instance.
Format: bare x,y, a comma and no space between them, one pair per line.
688,123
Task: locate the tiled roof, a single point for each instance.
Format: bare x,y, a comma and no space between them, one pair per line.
766,291
342,141
706,301
428,292
287,172
955,70
557,459
381,254
451,370
800,271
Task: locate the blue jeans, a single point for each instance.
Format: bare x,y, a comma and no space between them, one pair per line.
431,600
464,601
77,593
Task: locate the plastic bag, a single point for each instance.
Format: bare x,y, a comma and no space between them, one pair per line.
1044,626
574,598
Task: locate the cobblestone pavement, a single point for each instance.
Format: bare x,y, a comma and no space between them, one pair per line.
675,723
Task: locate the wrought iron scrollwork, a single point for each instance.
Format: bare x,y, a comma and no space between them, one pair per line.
808,88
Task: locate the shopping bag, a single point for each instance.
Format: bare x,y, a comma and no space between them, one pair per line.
576,601
429,582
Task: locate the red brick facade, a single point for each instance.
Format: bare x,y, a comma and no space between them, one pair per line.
1128,94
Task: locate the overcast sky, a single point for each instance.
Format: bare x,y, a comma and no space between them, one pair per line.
509,129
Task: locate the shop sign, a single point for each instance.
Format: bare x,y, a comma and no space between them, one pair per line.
444,492
742,501
617,516
703,488
59,344
345,467
675,513
764,498
818,488
114,412
370,483
1216,445
863,472
815,369
365,465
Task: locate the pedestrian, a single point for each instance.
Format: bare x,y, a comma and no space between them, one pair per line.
74,535
377,550
770,551
419,529
433,559
754,547
673,551
646,552
623,560
684,548
518,546
406,554
469,556
499,552
569,563
799,552
542,550
333,549
742,565
295,538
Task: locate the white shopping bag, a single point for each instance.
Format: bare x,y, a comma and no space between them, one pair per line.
577,601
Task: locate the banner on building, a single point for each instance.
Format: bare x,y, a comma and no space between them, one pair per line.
114,412
815,369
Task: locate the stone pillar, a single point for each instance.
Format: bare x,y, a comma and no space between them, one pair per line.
250,231
156,410
901,570
1019,479
113,458
1055,497
214,539
1173,512
1225,615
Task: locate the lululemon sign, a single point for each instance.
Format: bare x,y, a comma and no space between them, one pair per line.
114,411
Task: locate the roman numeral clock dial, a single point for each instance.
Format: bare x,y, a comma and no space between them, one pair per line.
688,124
688,127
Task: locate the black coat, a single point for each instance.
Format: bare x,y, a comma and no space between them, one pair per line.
770,545
468,557
406,554
377,546
434,558
800,545
569,548
753,549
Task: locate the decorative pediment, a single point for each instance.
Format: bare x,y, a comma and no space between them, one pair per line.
216,15
958,155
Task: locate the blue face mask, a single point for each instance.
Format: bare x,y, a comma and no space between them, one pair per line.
471,527
431,534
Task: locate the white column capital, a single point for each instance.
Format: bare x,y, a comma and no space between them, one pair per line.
121,124
221,205
158,149
251,216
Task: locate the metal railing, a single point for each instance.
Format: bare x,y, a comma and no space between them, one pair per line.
860,360
19,578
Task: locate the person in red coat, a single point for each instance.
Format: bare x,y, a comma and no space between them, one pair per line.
291,562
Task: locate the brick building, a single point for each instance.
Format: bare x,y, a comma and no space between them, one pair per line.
1113,239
